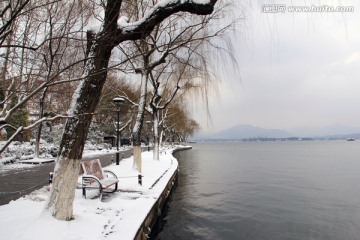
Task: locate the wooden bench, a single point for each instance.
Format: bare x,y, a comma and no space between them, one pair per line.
94,177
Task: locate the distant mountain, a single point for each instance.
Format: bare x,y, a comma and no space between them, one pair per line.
243,131
331,130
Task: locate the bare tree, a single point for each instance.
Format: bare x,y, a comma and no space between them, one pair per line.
178,121
179,64
55,51
170,58
87,95
54,30
9,12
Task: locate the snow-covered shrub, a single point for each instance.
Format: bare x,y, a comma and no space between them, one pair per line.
17,149
95,136
50,142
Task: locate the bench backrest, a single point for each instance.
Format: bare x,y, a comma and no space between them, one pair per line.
92,167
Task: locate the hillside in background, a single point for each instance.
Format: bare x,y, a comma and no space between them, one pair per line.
246,131
332,130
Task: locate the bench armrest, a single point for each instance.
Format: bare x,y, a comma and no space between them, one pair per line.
110,172
90,177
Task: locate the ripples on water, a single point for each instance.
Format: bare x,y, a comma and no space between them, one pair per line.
267,190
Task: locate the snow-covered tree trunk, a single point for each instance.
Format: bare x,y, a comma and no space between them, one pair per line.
137,158
136,134
84,103
63,190
38,134
161,137
37,141
156,135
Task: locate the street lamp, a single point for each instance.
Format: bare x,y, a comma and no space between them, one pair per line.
118,101
148,134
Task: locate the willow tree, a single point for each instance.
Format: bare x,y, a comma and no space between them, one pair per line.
170,61
87,95
178,121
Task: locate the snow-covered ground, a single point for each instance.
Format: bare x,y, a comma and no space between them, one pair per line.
117,217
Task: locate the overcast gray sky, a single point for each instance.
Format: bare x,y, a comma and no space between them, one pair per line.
298,69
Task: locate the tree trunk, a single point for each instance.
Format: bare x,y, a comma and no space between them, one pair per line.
63,190
161,138
156,134
37,141
137,158
84,103
38,134
136,135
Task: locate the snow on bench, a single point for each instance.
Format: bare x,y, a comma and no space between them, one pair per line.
94,177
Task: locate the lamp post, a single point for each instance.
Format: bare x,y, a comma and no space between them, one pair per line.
118,101
148,134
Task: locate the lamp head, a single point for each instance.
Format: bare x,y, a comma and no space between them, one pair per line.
118,101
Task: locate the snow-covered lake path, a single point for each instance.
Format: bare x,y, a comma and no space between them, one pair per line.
118,217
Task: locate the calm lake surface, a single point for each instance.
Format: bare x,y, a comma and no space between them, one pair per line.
266,190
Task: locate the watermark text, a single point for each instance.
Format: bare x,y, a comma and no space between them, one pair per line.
282,8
